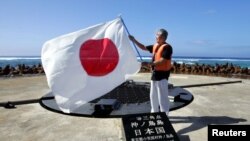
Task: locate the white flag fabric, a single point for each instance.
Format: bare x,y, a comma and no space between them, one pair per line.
86,64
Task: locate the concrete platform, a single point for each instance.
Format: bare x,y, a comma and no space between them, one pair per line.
221,104
131,97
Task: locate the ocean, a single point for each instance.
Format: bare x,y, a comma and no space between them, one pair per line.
16,60
35,60
242,62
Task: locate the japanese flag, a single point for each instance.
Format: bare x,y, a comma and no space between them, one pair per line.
86,64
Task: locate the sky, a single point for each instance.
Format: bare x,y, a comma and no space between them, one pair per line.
199,28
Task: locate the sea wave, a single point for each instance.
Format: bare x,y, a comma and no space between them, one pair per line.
188,63
19,58
192,60
211,59
243,62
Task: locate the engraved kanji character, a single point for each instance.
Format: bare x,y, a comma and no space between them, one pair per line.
143,123
138,118
159,122
137,132
149,131
151,117
158,116
134,124
151,123
160,130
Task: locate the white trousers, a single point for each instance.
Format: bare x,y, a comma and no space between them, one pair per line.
159,96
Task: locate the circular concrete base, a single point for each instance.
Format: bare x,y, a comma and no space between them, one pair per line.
130,98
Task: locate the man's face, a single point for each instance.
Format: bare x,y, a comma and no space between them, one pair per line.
159,38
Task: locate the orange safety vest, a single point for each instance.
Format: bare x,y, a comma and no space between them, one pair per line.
157,52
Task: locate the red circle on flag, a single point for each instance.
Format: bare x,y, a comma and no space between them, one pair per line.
99,57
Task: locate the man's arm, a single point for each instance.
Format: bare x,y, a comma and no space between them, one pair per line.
141,46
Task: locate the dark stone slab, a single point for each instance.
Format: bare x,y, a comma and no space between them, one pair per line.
148,127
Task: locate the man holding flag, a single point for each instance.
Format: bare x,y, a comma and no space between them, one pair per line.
161,66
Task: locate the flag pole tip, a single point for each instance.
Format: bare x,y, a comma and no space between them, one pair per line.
119,15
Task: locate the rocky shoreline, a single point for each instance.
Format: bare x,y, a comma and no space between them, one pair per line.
226,70
20,70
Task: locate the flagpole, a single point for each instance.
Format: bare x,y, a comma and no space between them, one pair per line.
130,34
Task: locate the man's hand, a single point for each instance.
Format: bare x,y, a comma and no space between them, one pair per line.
141,46
132,38
152,64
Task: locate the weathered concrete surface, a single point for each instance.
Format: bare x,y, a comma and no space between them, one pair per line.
221,104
